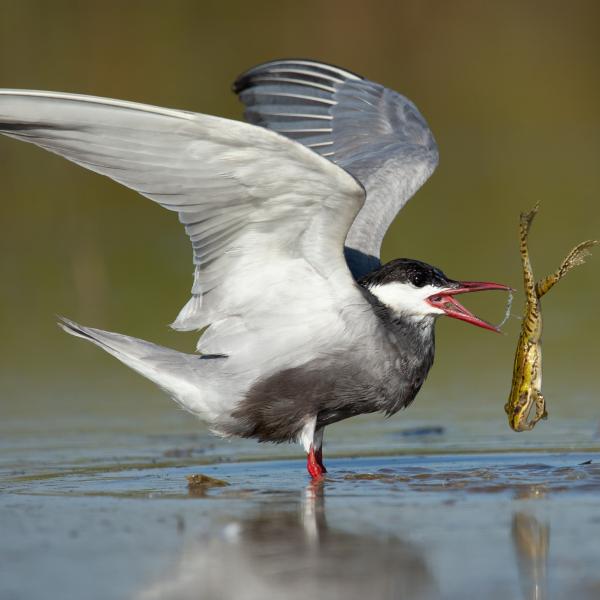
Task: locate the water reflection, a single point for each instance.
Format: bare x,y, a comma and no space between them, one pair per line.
285,549
531,540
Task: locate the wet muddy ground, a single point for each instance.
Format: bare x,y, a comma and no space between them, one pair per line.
490,525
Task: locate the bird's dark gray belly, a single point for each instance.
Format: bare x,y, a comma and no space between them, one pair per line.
277,407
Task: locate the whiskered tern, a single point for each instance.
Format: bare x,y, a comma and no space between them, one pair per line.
286,215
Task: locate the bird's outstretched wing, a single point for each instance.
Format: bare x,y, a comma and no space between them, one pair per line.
376,134
267,217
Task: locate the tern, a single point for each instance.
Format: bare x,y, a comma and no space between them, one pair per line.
286,214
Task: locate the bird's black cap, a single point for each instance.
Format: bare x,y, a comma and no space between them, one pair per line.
407,270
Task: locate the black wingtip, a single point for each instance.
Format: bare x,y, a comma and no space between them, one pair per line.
241,83
247,78
69,326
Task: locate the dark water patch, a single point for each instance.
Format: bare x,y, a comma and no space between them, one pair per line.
183,452
387,477
424,431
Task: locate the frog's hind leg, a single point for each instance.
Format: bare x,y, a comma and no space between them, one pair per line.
537,412
575,258
527,219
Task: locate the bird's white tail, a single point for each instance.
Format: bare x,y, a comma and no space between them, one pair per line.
183,376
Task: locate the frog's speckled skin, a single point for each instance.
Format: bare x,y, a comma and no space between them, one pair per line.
527,374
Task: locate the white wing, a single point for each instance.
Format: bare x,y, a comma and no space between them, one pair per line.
266,216
374,133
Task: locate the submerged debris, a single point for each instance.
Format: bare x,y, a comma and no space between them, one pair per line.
199,484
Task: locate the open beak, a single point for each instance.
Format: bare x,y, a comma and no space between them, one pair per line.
446,301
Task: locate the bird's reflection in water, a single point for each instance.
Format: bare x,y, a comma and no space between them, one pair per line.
285,549
531,540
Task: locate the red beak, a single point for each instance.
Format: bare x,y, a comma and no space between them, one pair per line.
453,308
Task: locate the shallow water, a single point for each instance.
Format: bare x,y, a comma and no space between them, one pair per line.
95,505
112,516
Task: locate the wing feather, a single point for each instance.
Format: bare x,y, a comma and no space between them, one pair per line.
374,133
247,197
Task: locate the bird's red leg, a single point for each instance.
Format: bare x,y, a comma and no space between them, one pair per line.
314,465
319,459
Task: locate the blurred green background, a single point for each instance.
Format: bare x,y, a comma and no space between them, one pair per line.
510,89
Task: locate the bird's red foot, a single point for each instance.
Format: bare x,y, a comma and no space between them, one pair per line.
314,463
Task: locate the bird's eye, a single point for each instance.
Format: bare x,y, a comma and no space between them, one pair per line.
417,279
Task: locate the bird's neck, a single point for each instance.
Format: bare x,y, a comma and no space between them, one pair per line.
410,343
413,334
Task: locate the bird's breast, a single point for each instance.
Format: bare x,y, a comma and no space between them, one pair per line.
382,376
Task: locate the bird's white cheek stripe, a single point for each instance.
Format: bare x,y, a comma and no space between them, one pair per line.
405,299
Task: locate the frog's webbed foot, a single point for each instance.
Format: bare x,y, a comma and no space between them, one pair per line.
527,219
575,258
525,426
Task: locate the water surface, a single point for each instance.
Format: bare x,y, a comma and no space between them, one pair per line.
112,516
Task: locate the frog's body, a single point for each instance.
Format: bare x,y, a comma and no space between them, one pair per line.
527,375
